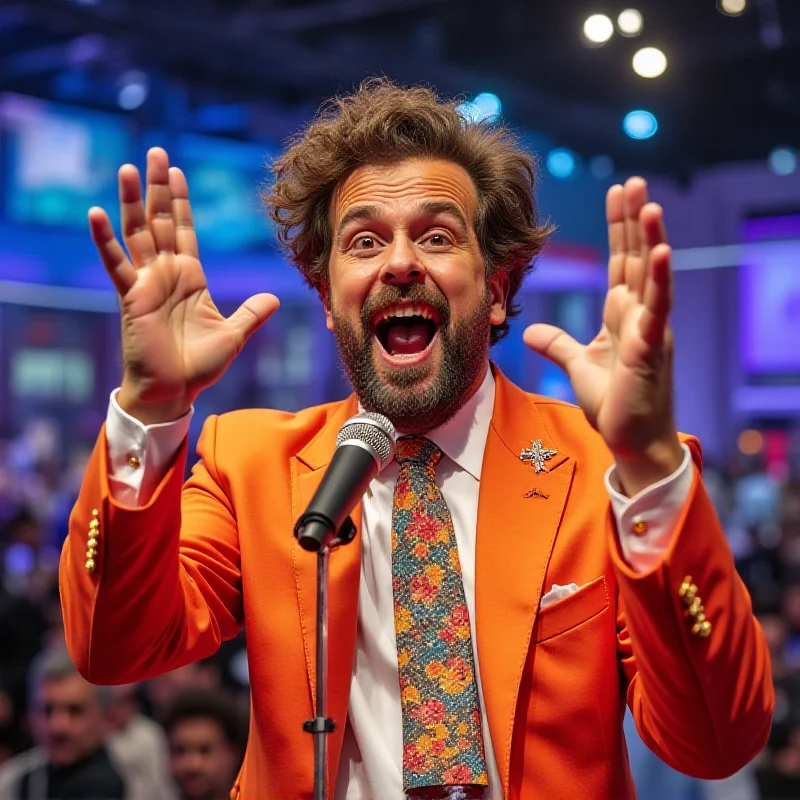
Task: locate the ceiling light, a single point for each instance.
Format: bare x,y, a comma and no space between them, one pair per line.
630,22
640,124
485,107
133,90
733,8
560,162
598,29
649,62
783,160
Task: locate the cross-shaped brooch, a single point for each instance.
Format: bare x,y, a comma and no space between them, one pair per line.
536,455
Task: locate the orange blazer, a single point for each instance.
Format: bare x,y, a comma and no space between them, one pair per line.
174,578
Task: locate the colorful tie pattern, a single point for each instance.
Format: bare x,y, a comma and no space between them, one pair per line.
443,753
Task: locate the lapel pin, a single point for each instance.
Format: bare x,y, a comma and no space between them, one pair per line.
536,455
536,493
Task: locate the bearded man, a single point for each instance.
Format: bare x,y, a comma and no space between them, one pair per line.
523,568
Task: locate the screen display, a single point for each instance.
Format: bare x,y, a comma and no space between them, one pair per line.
224,178
770,295
61,161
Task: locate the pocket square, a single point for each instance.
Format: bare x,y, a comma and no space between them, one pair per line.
558,593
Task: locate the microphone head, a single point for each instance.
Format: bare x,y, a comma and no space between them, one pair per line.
373,432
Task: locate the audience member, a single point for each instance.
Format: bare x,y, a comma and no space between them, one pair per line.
71,761
207,736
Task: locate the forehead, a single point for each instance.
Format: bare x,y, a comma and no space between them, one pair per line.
402,186
70,688
197,729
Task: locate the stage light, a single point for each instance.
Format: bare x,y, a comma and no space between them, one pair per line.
640,124
598,29
649,62
601,167
750,442
630,22
486,106
561,162
733,8
783,160
133,90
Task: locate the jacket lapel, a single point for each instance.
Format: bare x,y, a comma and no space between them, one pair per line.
307,470
515,537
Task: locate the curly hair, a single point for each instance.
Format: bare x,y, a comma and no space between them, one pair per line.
384,123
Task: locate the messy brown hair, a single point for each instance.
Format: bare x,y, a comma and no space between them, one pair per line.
383,123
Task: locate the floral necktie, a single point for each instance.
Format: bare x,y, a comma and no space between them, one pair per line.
443,753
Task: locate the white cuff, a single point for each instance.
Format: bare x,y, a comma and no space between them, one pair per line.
646,523
138,454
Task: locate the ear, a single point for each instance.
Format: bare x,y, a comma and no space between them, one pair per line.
498,292
324,292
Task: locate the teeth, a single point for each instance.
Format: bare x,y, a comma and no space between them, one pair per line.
406,311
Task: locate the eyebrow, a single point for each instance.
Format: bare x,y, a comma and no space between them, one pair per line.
430,207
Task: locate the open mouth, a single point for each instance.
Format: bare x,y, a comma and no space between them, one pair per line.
406,329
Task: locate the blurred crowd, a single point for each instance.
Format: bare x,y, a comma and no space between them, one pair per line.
181,736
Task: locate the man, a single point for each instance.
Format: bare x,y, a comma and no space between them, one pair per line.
72,762
498,609
206,744
139,746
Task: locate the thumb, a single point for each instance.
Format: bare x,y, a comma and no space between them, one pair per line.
552,343
252,314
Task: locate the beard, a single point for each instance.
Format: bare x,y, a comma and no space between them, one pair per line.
407,395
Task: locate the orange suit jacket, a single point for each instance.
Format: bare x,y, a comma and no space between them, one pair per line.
176,577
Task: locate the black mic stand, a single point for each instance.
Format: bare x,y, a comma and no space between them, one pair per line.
313,537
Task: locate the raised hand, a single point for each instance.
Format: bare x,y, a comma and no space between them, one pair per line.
623,378
174,340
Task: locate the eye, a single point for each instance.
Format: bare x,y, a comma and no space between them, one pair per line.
364,242
436,240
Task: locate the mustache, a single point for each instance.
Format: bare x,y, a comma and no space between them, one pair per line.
418,293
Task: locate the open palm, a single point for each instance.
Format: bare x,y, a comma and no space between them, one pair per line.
622,378
175,342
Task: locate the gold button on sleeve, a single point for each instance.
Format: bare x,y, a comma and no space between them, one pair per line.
640,526
90,565
134,462
702,629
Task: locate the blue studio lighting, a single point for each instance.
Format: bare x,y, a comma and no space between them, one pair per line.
640,124
485,106
560,162
783,160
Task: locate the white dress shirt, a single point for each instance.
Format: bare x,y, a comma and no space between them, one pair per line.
371,761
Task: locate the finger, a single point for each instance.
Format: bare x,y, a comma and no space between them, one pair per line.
634,198
252,314
119,269
135,232
617,240
553,343
185,236
653,231
658,296
159,200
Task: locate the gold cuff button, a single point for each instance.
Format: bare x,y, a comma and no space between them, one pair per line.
90,565
702,629
640,527
134,462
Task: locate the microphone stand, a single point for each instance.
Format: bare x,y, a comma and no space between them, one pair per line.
322,725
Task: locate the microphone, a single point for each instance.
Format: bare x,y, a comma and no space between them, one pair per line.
364,446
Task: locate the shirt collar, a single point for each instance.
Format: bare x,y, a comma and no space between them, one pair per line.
463,437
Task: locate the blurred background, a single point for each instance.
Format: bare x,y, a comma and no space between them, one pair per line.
700,96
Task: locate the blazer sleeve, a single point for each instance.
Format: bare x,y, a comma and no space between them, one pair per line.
702,704
164,588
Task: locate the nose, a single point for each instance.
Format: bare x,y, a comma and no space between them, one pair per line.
402,266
